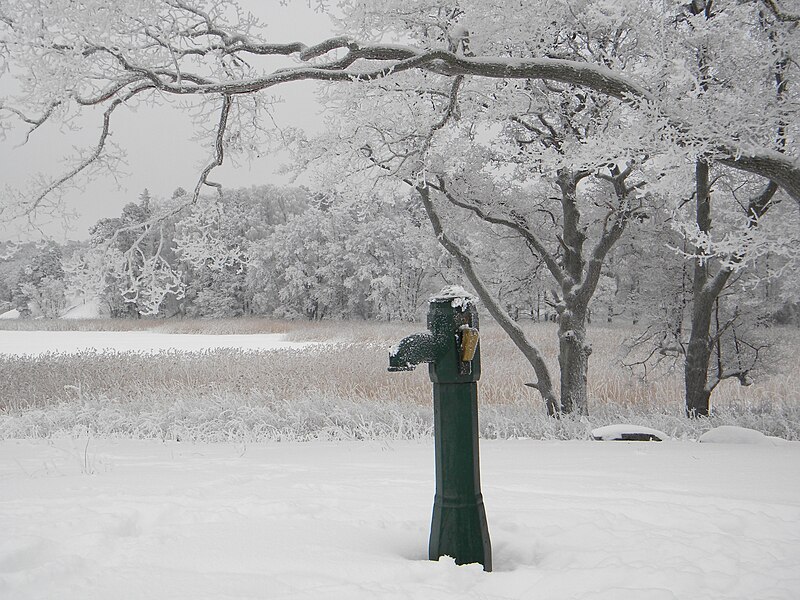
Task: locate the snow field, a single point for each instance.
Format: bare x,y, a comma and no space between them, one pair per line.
132,519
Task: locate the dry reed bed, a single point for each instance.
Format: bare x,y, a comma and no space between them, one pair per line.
341,390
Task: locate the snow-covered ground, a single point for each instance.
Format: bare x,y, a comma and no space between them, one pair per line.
102,519
38,342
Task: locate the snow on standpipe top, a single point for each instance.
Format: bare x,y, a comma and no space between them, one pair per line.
458,295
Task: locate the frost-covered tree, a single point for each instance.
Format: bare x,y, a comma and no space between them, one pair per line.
85,275
40,285
720,255
431,130
48,297
711,277
717,41
214,241
544,163
137,255
67,59
13,258
337,259
5,294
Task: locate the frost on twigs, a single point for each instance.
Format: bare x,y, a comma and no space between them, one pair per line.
740,247
200,243
150,287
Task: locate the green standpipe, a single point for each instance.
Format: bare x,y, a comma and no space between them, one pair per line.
452,350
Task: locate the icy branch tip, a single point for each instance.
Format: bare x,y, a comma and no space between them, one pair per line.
458,296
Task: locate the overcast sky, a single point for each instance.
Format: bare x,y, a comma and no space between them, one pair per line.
160,153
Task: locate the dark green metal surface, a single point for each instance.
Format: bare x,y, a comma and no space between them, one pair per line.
458,527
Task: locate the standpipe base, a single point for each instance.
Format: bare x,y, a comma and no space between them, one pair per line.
459,530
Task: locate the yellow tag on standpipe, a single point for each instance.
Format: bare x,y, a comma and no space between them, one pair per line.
469,343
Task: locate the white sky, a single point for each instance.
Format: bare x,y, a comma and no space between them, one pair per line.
160,153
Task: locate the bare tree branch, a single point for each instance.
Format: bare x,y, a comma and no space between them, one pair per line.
552,264
31,206
772,165
219,151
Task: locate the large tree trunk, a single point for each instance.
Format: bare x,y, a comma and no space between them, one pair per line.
698,353
698,356
573,359
699,385
706,288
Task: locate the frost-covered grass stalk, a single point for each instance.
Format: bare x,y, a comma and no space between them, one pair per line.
342,390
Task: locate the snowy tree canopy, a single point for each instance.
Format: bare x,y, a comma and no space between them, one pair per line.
66,58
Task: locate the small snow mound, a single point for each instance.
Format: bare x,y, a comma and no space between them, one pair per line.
11,314
628,433
730,434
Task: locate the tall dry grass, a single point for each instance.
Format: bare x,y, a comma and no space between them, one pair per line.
343,390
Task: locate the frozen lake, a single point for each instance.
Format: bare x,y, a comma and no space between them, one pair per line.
38,342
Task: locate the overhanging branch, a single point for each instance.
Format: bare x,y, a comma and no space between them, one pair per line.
362,62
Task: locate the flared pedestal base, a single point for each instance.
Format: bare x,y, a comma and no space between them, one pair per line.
460,530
